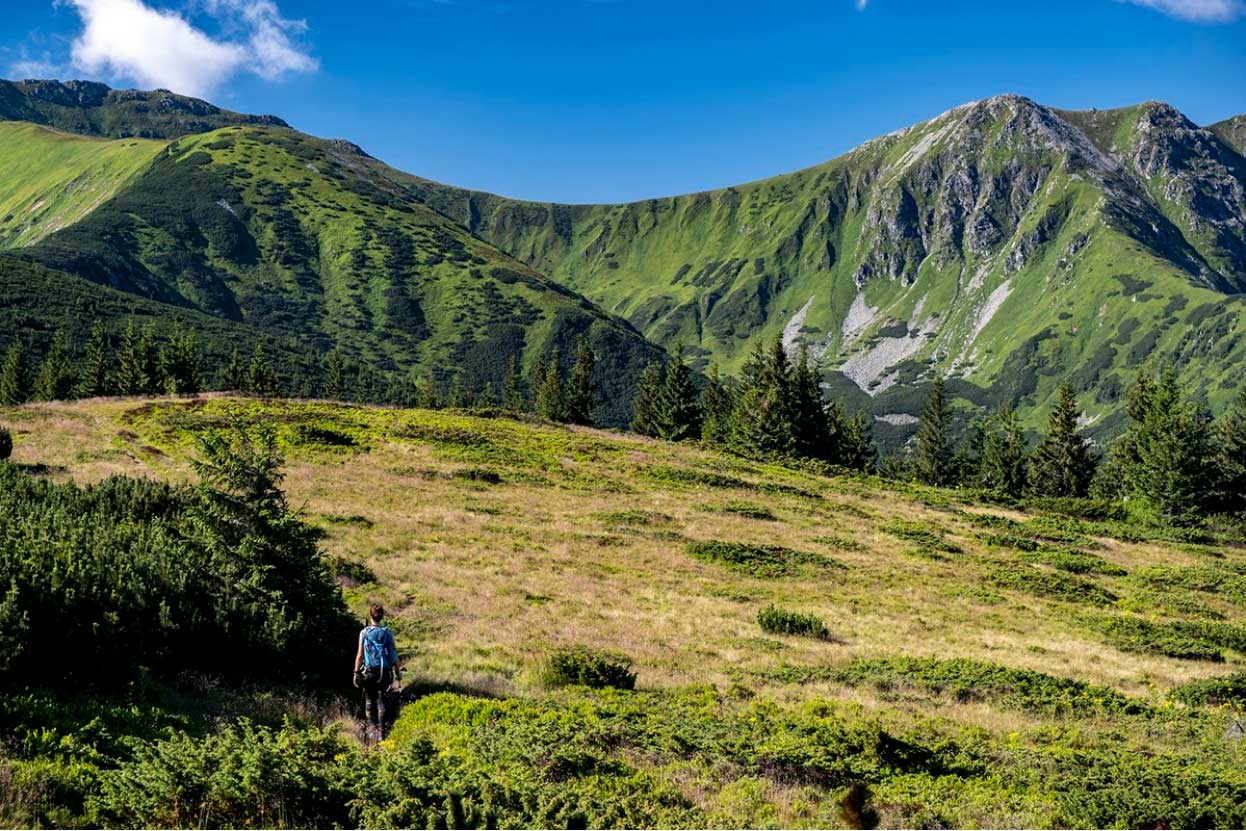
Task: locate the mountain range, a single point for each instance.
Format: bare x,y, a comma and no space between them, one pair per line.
1004,244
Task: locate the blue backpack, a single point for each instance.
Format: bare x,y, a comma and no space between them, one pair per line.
378,648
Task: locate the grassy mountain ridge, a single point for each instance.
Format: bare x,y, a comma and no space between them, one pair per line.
65,178
1003,242
94,109
297,237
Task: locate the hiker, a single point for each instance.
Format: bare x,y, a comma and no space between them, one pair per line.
376,662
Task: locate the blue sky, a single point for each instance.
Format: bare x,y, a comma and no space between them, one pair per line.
611,100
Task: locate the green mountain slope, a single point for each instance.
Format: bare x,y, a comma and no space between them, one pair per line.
1232,131
49,179
93,109
300,238
1003,242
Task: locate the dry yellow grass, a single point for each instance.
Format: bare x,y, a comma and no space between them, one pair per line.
483,578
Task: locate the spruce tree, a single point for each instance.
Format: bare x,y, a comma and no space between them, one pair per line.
1004,464
857,451
335,375
762,421
580,394
260,378
13,389
1167,454
551,396
55,381
679,416
646,404
179,364
1231,457
93,379
148,355
513,397
460,395
933,458
1064,463
234,376
967,461
717,402
132,377
810,422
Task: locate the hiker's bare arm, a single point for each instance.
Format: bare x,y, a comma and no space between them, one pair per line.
358,657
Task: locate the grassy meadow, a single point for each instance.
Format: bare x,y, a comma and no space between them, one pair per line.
929,658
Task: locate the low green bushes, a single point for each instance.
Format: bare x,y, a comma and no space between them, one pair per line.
923,535
1227,690
748,510
583,667
1055,585
1189,640
778,621
219,578
965,679
767,561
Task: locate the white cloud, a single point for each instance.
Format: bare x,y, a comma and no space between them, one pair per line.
861,4
157,48
1200,11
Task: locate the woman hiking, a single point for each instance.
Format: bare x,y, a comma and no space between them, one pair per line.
376,661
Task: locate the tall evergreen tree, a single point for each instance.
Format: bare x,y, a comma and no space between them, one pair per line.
1004,464
1064,463
93,380
933,457
460,395
261,380
857,450
55,380
1231,457
679,415
234,376
149,354
13,384
1167,454
811,423
513,397
180,364
967,460
762,421
580,394
335,375
132,377
551,395
717,402
646,404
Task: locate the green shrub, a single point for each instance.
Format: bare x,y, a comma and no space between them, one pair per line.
1091,509
6,444
923,534
965,679
769,561
1042,583
219,578
243,777
1227,690
1134,634
476,474
350,572
745,509
778,621
1073,561
583,667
